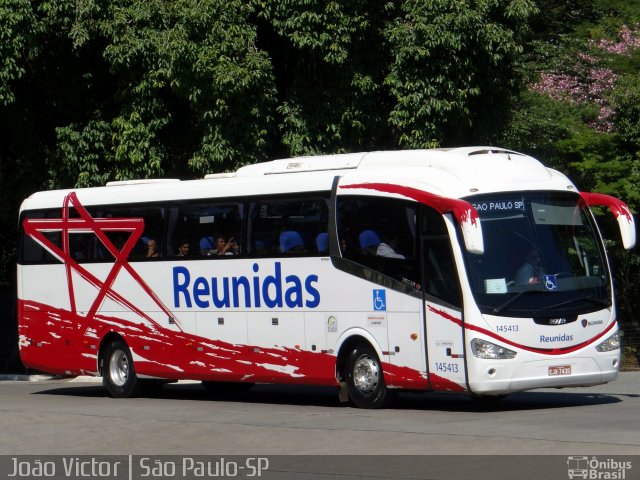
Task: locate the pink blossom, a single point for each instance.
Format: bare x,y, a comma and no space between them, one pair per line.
627,40
591,83
603,124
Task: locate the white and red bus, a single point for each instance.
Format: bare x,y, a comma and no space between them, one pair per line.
471,270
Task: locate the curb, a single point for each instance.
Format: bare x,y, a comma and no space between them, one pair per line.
62,378
44,378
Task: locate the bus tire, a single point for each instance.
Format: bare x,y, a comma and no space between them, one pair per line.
118,376
365,379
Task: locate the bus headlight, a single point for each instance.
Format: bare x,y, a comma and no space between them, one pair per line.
488,350
611,343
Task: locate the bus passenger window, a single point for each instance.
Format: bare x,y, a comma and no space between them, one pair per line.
440,273
380,233
287,226
153,219
212,230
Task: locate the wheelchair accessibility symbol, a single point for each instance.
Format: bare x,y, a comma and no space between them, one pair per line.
379,300
550,282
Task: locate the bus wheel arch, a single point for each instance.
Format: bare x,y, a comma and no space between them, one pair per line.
117,367
360,370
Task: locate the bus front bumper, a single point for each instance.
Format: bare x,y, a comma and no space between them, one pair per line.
494,378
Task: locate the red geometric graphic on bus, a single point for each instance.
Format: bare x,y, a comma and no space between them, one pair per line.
36,228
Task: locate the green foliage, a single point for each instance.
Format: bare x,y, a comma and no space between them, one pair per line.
626,101
438,71
184,70
156,88
595,163
558,17
450,56
18,28
538,123
327,28
618,11
329,77
99,151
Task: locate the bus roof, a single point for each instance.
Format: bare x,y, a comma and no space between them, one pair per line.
455,173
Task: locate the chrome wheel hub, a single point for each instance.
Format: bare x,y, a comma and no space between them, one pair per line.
119,368
366,374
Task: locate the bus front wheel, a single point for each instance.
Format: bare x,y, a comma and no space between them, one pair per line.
365,379
118,375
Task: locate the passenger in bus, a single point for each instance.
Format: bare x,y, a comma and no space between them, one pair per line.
152,249
388,248
531,272
183,248
369,242
346,237
291,242
224,246
344,245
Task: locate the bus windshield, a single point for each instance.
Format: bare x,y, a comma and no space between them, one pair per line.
542,256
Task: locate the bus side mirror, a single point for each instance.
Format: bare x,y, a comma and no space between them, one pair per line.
469,221
473,238
620,210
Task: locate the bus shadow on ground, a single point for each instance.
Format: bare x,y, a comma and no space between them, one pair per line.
520,401
328,397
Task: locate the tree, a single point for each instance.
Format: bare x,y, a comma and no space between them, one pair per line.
453,70
374,74
189,87
18,33
330,60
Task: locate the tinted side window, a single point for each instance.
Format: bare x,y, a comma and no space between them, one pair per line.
380,233
88,247
288,226
31,251
85,245
199,225
440,274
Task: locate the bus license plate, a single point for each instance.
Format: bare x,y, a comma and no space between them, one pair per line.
560,370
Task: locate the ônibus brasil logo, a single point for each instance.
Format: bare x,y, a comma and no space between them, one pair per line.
594,468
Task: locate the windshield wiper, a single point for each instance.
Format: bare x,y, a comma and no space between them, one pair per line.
500,308
589,298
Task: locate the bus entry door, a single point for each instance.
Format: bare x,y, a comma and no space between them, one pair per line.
443,318
445,348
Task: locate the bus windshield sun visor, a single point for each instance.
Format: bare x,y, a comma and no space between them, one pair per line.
465,214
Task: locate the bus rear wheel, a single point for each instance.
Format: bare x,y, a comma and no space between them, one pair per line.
365,379
118,376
